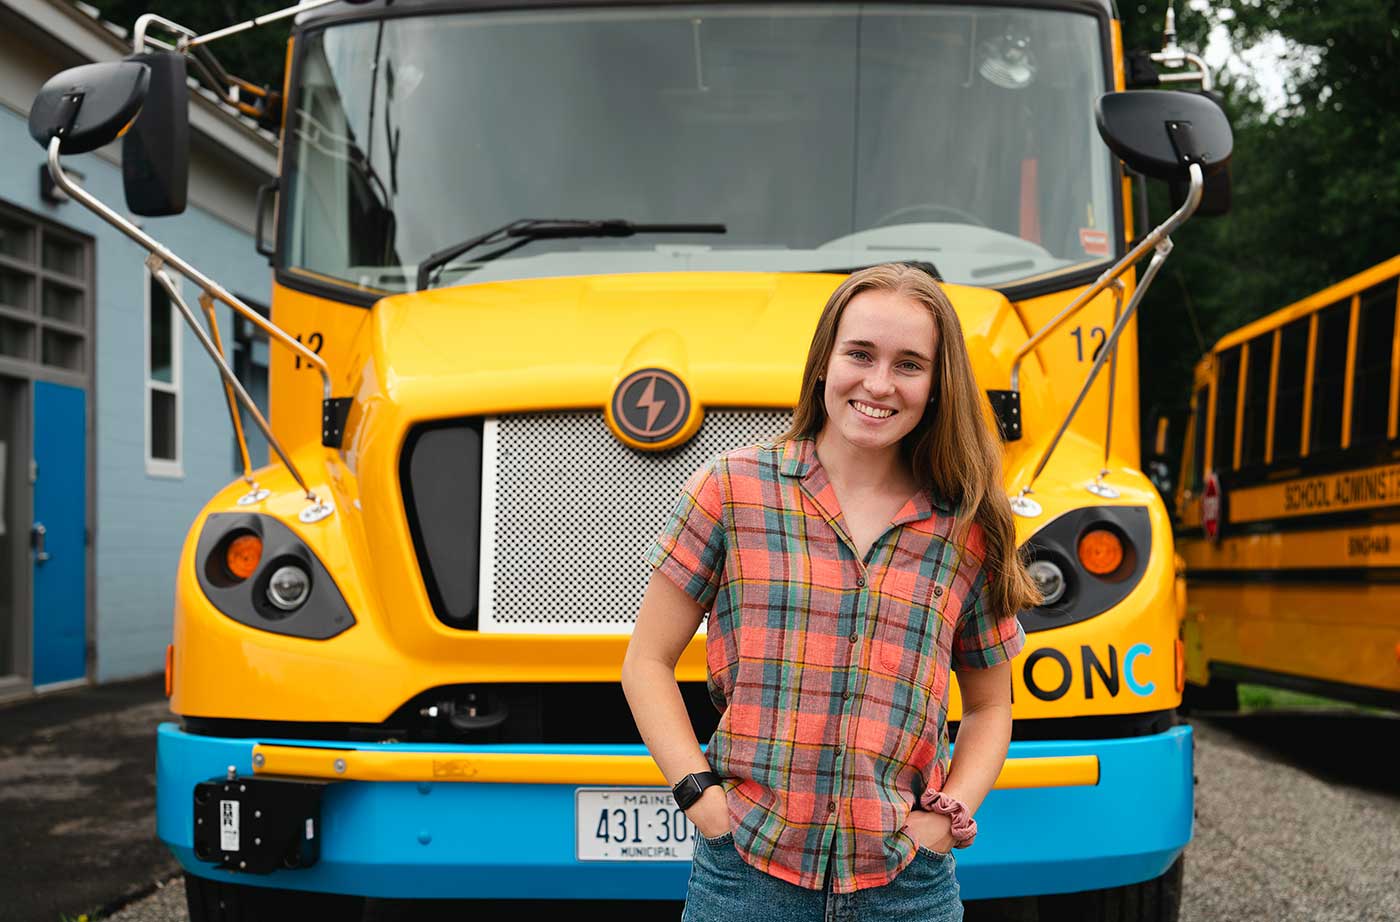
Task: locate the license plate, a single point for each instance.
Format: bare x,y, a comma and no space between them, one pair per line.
631,824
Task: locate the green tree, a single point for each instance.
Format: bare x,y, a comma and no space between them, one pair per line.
1316,183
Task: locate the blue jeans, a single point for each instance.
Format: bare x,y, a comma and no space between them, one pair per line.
725,888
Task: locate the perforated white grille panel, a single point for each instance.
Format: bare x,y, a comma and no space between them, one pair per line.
568,512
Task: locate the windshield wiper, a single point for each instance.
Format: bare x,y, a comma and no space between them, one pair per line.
528,229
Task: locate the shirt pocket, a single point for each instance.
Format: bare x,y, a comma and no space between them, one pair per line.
913,630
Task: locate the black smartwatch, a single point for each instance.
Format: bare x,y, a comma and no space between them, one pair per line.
688,790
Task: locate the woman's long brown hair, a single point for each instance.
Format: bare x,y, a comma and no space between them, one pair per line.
952,450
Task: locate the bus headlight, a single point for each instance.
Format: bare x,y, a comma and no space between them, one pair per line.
1049,579
257,571
289,587
1084,562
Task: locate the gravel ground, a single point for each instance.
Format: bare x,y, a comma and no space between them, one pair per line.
166,904
1315,838
1298,818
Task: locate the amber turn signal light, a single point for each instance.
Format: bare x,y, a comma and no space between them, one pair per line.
241,558
1100,551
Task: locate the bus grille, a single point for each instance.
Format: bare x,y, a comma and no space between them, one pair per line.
568,511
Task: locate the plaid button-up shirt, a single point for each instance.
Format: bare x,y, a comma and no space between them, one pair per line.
831,671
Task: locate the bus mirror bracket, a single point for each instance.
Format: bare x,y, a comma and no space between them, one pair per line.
57,121
334,412
1159,241
1163,135
1006,407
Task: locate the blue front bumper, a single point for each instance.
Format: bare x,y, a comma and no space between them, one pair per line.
502,841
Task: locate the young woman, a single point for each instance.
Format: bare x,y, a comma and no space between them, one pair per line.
847,567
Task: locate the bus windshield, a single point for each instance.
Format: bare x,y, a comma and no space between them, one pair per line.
823,137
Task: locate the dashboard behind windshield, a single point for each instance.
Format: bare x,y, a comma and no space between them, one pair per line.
823,137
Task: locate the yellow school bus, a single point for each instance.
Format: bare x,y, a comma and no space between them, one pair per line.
1289,507
535,263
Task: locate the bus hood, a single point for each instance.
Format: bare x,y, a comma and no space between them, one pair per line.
735,339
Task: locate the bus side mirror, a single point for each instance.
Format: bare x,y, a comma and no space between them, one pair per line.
89,106
156,151
1161,133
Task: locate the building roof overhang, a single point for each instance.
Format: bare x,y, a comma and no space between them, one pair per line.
89,39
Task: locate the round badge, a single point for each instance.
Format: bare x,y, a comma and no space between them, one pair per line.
1210,508
650,405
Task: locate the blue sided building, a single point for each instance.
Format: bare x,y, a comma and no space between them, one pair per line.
113,425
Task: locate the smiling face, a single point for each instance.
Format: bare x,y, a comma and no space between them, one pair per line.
880,372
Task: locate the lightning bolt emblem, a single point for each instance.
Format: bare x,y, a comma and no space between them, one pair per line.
649,403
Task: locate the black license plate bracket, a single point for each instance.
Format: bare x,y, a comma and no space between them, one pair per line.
258,824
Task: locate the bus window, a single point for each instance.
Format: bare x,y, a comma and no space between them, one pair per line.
1370,388
1198,441
1292,377
1329,377
1227,388
1255,425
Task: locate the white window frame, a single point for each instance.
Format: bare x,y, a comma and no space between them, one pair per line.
164,467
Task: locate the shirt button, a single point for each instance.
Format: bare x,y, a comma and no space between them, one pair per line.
831,806
860,580
838,750
854,637
846,693
937,590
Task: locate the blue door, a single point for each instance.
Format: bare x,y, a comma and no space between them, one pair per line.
59,541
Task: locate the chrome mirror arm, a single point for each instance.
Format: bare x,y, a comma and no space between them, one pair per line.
1109,276
160,257
1097,486
255,493
1173,55
153,262
256,21
205,283
1160,241
139,38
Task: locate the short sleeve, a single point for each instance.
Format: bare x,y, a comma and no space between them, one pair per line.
983,640
690,550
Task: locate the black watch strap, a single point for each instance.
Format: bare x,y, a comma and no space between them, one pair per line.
688,790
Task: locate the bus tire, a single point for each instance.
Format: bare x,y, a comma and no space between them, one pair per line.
1155,900
217,901
1217,695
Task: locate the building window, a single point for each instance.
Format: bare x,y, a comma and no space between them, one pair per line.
45,296
163,455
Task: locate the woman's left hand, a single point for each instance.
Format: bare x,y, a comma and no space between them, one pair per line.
933,831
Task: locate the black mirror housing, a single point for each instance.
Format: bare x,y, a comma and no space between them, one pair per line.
1161,133
1215,197
156,151
88,106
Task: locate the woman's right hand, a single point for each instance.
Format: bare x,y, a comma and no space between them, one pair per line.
710,814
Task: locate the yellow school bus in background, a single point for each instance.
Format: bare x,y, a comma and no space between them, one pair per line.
1289,507
536,263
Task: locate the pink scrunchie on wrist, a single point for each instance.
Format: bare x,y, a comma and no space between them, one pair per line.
964,826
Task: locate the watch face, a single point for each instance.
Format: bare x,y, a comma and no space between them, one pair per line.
686,791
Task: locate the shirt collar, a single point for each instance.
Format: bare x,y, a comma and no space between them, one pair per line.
800,460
